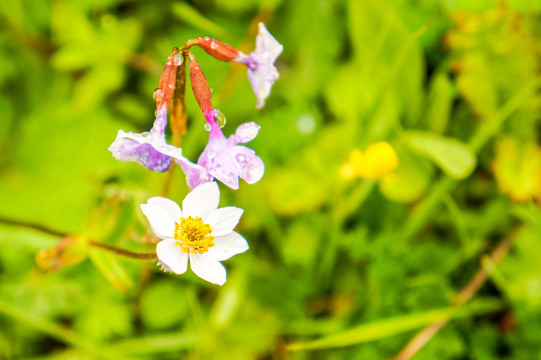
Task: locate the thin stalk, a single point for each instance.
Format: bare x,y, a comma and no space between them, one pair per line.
46,230
339,214
34,226
179,117
133,255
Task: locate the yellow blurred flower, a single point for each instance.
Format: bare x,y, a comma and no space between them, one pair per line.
517,168
379,159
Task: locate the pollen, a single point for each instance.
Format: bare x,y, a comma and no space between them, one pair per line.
193,235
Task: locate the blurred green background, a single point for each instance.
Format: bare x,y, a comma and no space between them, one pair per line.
338,268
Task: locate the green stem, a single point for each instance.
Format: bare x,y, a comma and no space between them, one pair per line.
339,215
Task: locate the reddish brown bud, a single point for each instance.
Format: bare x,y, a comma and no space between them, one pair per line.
200,86
216,48
166,87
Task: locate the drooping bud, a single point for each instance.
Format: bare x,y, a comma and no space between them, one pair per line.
200,86
166,86
218,49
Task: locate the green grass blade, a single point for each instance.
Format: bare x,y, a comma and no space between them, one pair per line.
388,327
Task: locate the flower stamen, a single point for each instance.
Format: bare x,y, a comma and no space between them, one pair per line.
193,235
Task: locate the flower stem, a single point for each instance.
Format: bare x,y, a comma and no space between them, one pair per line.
178,105
46,230
133,255
178,116
38,227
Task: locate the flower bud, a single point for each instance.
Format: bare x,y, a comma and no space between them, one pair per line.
216,48
200,86
166,86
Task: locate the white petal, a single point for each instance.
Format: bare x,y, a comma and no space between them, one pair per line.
223,220
169,205
267,44
208,268
171,150
160,221
250,166
245,133
228,246
140,138
202,200
172,256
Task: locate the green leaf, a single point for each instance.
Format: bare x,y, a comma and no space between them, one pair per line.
440,101
109,265
384,328
408,182
191,16
56,331
169,299
152,344
292,191
451,155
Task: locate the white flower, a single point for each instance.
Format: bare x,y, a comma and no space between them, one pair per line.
199,232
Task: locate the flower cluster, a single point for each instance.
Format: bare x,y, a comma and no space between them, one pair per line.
201,232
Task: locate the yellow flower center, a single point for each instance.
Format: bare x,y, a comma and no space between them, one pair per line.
193,235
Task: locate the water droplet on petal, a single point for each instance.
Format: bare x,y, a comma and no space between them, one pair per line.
171,86
158,94
241,159
220,118
211,155
207,126
177,59
213,44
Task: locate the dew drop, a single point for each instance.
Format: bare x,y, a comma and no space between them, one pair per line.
241,159
211,155
220,118
213,44
158,94
177,59
206,126
171,86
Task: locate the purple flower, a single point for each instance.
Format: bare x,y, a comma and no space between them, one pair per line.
143,147
224,159
195,174
261,70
